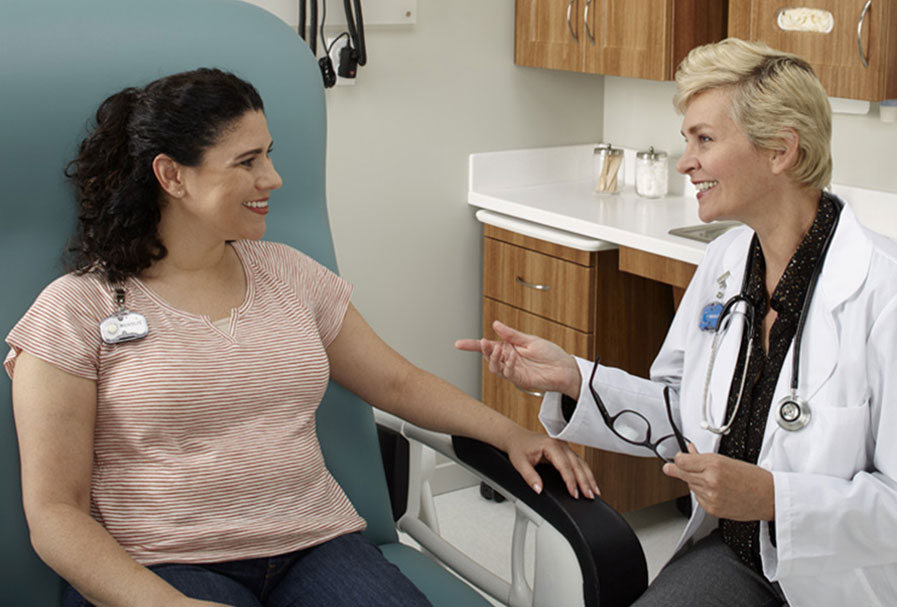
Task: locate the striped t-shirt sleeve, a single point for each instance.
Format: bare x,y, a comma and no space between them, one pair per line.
62,326
325,293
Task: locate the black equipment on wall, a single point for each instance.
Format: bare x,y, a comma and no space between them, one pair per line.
352,55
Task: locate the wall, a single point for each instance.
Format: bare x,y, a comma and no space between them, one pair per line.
399,141
639,113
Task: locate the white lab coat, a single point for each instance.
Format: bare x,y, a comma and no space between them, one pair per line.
835,487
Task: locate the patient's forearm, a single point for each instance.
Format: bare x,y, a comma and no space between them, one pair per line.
433,403
80,550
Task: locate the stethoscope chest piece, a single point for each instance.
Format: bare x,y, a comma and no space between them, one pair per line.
792,413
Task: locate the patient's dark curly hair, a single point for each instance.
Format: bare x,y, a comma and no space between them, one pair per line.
119,198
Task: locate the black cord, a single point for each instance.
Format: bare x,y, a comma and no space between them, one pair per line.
356,34
323,19
335,40
313,30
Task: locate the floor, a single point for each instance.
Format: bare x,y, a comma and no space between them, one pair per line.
482,529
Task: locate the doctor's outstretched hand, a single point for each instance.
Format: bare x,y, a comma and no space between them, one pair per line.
530,362
726,487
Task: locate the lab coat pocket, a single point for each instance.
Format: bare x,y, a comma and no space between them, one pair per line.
834,443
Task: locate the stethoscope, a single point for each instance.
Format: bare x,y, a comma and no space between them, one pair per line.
791,412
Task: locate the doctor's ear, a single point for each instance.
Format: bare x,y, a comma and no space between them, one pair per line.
169,174
788,154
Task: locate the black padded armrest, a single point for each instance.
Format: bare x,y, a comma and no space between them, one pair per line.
614,570
394,450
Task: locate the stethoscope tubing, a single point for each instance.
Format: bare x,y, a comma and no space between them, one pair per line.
794,400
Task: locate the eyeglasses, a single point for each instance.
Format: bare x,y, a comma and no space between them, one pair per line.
634,428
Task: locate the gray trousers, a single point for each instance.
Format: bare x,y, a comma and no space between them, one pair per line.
710,574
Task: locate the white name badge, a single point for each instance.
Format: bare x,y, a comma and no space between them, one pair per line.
123,326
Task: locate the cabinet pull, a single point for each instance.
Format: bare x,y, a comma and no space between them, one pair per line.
860,33
530,392
569,24
585,22
530,285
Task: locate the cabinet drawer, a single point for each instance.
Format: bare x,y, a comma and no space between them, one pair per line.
559,290
502,395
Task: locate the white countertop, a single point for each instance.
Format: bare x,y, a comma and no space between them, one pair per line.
553,188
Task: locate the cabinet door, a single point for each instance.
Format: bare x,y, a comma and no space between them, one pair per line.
628,38
548,34
836,56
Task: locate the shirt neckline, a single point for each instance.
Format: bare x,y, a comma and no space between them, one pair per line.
248,297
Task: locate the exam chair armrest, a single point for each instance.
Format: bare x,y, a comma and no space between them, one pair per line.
611,561
614,569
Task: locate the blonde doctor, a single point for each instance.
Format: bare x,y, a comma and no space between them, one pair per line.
774,395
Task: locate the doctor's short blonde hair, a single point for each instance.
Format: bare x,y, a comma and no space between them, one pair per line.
771,91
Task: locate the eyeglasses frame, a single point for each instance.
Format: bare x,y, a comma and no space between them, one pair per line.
609,420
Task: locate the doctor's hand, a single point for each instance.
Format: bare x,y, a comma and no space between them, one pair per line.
526,449
726,487
530,362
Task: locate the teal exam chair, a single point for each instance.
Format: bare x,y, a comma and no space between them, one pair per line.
58,60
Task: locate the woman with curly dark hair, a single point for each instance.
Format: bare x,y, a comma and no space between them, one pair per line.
118,195
165,390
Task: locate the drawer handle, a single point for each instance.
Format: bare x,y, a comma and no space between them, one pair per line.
860,33
569,24
585,22
530,285
530,392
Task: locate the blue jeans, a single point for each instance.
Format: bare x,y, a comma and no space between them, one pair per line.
346,571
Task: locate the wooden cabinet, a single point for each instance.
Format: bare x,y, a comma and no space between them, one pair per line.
583,302
635,38
856,59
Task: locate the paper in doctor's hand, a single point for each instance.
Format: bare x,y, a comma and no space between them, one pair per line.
726,487
530,362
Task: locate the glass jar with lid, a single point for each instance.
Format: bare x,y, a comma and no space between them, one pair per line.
651,173
608,169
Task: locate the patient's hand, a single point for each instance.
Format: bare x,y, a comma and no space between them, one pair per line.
526,449
531,362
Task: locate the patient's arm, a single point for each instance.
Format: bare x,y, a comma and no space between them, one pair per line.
55,414
363,363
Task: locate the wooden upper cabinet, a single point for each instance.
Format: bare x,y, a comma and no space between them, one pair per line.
547,34
634,38
629,38
859,29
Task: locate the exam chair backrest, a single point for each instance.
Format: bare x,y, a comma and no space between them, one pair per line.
58,60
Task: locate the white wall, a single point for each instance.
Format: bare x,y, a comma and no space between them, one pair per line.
399,141
441,89
639,113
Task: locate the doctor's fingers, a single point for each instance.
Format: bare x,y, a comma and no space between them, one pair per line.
502,359
471,345
511,335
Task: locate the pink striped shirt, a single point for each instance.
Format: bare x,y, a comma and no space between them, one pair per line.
205,447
